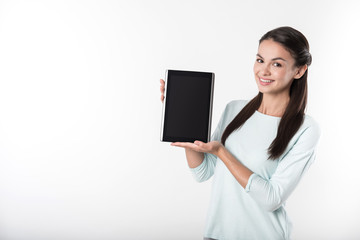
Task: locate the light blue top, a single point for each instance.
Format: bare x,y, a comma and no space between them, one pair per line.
256,212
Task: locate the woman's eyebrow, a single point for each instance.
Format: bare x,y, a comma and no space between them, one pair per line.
274,59
278,58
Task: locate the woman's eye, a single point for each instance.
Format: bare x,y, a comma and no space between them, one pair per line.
259,60
277,64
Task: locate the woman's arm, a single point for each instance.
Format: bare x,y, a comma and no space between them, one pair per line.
202,163
194,158
268,193
195,155
237,169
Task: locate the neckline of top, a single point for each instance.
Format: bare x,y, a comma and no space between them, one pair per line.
263,114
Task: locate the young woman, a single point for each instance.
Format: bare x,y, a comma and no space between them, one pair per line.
261,148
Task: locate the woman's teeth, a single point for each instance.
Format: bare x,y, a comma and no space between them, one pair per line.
266,81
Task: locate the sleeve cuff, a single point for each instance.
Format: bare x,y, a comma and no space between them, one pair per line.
248,185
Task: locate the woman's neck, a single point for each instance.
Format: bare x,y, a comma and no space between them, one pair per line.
274,105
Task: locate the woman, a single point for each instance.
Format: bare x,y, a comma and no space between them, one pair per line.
261,148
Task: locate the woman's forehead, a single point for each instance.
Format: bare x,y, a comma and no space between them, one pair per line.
270,49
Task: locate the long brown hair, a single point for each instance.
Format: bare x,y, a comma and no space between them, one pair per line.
298,46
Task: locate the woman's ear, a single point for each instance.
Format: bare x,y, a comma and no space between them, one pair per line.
300,72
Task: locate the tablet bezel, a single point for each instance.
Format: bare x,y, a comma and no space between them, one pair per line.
185,139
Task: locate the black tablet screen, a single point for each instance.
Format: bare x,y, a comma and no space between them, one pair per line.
188,106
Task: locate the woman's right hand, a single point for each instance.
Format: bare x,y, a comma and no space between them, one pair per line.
162,89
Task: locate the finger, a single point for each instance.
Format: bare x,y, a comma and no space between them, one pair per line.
178,144
183,144
188,145
162,88
201,146
199,143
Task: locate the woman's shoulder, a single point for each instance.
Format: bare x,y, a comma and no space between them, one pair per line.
310,122
233,108
237,103
310,130
306,138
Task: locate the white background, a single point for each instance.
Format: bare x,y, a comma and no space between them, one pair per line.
80,110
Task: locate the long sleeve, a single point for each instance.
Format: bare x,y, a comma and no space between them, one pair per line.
206,169
271,193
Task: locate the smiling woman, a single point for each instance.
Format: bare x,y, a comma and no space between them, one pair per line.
267,69
261,148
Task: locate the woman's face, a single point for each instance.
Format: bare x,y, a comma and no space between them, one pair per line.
274,68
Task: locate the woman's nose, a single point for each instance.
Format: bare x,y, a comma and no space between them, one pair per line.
266,70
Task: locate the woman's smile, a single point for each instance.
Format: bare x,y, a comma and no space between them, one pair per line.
265,82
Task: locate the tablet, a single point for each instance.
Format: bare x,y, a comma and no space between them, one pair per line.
187,107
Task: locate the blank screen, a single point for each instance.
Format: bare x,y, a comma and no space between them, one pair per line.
188,102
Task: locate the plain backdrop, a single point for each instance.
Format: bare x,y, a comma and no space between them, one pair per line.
80,111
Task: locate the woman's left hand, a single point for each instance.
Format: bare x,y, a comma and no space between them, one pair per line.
212,147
